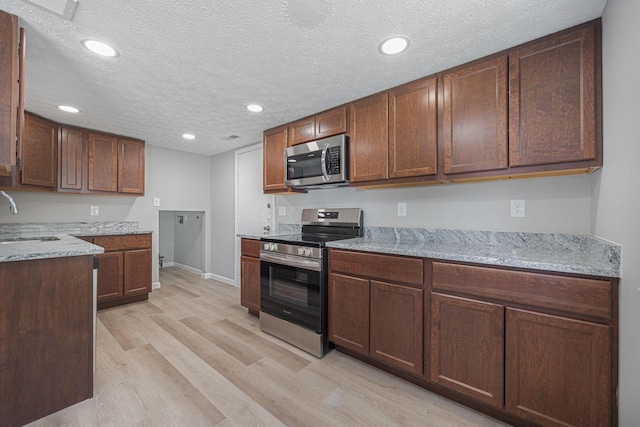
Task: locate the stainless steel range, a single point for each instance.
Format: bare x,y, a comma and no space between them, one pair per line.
293,277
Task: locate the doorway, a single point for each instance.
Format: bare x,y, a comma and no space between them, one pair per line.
181,240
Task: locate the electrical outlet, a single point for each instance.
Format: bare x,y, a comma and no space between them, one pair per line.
156,201
282,211
402,209
95,210
518,209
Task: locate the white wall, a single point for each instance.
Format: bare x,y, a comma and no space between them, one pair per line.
553,204
616,202
181,180
223,216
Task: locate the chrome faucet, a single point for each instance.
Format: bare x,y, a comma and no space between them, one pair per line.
14,208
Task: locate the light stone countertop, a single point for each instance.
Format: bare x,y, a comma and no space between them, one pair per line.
16,240
563,253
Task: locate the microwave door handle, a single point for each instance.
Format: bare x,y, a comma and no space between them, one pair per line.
323,163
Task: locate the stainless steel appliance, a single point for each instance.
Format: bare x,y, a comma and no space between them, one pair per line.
293,277
317,164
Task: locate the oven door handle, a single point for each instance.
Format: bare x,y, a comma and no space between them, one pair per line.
307,264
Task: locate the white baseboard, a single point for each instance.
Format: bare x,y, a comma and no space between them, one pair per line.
218,278
186,267
167,264
155,285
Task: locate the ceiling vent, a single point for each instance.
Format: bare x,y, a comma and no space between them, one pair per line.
62,8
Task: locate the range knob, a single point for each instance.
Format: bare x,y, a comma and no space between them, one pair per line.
266,246
307,252
273,246
300,251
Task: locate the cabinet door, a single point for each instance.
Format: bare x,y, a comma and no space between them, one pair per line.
413,129
71,155
397,326
557,370
349,312
137,272
331,123
301,131
467,347
8,87
110,271
273,174
475,118
369,139
39,152
250,283
103,162
131,166
552,98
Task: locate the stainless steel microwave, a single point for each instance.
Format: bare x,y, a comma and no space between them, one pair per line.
320,163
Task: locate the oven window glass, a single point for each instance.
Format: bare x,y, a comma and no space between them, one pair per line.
293,286
304,165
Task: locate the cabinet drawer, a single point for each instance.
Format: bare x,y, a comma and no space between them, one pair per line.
123,243
588,297
250,247
397,269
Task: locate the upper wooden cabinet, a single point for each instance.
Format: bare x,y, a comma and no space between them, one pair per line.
329,123
39,152
369,139
553,100
273,159
11,90
474,133
130,166
94,162
103,162
413,120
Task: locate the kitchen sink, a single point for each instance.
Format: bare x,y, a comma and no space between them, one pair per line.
13,240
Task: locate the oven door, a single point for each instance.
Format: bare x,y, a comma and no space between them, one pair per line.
293,289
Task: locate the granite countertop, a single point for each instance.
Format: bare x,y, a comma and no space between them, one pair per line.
565,253
17,240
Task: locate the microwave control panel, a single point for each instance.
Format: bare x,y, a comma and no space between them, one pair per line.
333,161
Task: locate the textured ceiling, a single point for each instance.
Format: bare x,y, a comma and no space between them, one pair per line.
193,66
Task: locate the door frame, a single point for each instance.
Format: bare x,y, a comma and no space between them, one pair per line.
239,151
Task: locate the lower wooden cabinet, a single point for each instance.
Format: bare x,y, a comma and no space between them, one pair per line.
467,347
124,273
558,370
250,275
376,318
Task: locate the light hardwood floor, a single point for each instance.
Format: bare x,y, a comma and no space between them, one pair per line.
192,356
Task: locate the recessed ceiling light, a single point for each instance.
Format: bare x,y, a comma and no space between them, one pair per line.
68,109
394,45
99,47
255,108
188,136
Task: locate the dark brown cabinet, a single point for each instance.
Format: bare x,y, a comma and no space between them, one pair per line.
552,99
250,275
124,273
413,122
323,125
273,157
39,153
369,139
11,90
99,163
466,347
47,336
558,370
474,125
376,309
